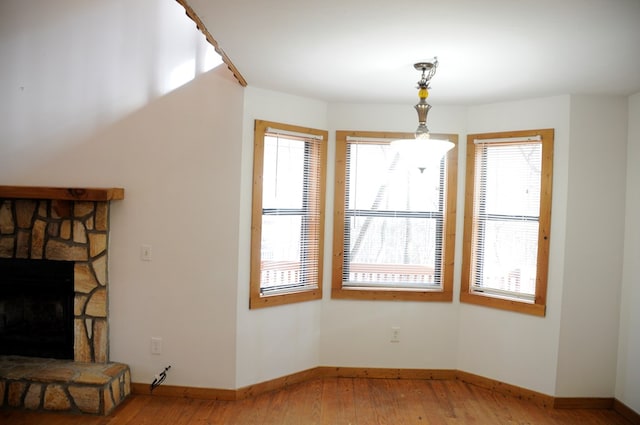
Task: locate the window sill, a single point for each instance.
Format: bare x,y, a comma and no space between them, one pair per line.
377,294
260,301
503,304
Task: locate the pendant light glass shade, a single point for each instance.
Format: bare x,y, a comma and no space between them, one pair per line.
422,152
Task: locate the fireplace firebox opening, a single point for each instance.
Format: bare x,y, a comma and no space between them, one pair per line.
36,308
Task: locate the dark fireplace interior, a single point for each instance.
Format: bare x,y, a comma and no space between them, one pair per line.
36,308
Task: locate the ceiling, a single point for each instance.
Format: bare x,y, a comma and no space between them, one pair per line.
363,51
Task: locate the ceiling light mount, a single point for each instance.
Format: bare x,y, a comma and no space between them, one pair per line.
424,67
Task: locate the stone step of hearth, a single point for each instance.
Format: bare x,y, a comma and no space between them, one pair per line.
62,385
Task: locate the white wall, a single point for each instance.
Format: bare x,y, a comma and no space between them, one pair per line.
628,376
182,197
510,347
590,315
276,341
84,101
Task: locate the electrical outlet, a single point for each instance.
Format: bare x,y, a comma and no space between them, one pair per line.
145,252
156,345
395,334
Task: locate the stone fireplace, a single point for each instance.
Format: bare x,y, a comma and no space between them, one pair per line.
70,225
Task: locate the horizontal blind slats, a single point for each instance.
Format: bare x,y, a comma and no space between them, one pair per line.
393,219
506,200
291,210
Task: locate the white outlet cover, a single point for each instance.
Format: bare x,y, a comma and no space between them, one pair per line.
156,345
145,252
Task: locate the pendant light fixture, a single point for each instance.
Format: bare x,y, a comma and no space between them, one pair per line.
423,150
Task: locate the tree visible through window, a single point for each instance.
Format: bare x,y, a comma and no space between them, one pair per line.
393,222
507,220
288,214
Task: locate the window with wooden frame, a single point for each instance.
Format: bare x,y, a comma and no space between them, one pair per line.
508,220
394,223
287,224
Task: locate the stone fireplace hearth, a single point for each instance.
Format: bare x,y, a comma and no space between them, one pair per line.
43,223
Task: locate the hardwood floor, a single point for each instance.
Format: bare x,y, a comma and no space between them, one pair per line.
344,401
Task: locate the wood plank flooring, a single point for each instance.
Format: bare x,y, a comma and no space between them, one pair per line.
336,401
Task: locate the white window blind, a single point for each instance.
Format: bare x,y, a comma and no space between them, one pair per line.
291,213
506,202
393,227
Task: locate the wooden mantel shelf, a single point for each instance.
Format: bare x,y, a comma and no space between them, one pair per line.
62,193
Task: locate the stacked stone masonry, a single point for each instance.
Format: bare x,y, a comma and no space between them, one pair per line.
69,231
63,386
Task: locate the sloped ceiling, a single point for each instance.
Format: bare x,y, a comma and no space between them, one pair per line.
490,50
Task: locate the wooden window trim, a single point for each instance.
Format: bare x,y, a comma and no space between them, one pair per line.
538,307
397,294
256,298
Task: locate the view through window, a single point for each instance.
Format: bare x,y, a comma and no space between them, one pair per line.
394,221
